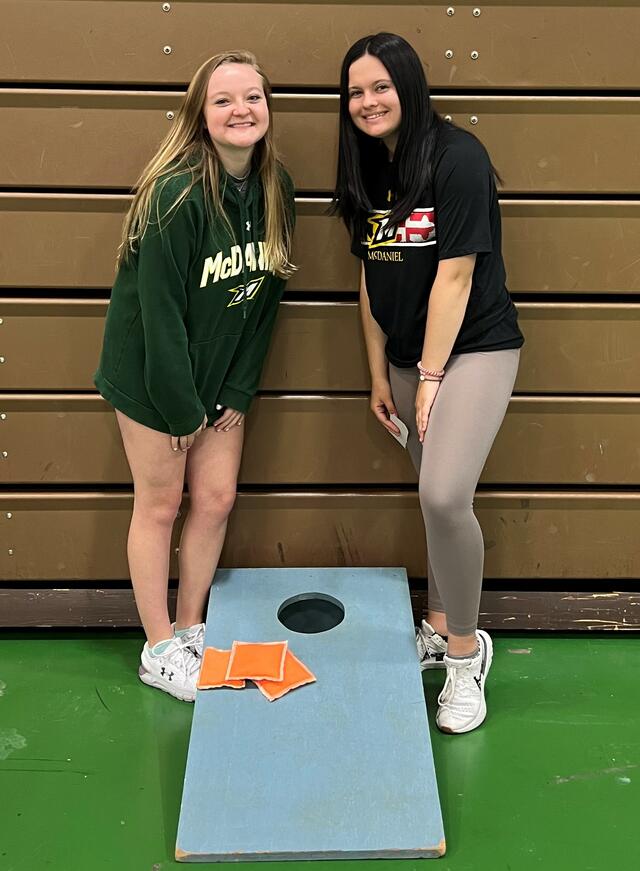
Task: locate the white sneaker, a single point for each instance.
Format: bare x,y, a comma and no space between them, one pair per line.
431,647
194,638
462,704
175,671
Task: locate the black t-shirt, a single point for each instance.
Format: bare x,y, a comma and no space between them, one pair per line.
458,215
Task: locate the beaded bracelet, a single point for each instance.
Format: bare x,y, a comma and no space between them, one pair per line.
430,374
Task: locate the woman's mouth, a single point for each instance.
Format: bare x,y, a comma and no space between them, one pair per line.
375,116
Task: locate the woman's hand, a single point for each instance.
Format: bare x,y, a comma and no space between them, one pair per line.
183,443
427,391
382,405
229,418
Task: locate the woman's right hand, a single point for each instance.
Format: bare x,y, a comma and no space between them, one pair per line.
382,405
184,442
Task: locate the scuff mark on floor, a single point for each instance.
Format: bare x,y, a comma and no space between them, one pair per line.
11,740
590,775
102,701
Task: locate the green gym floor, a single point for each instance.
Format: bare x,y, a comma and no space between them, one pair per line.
92,761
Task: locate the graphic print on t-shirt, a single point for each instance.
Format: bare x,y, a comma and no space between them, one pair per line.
417,230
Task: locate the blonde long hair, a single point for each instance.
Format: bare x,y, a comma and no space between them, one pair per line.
188,150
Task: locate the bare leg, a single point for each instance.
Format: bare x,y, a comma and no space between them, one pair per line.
158,477
212,474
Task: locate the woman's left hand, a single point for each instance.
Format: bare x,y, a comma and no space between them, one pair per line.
229,418
425,396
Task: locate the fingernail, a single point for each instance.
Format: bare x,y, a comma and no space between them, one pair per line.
226,429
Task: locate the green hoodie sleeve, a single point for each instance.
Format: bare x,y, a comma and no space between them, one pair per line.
166,250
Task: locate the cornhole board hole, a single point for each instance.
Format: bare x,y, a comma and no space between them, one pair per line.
338,769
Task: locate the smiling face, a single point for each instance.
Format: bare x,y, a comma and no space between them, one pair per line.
235,110
374,104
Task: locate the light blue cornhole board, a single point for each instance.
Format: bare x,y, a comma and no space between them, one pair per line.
338,769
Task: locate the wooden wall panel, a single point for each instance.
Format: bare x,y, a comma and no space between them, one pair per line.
589,348
514,610
69,241
68,157
585,348
81,536
331,440
531,46
103,140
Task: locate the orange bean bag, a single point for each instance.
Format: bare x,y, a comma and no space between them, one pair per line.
213,670
296,674
257,661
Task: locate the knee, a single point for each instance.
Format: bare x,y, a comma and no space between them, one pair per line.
160,506
212,506
443,505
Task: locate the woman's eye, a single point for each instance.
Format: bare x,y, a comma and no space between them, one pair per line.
220,102
382,88
255,97
354,94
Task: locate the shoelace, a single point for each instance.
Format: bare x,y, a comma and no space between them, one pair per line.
446,694
189,664
455,676
191,642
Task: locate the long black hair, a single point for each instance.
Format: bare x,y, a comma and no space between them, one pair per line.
358,154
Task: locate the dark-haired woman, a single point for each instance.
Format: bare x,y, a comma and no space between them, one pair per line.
419,198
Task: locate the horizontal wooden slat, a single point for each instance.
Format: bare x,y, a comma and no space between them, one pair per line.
319,441
514,610
519,45
517,610
81,536
69,241
102,140
588,348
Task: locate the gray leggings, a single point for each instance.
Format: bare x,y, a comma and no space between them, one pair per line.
464,420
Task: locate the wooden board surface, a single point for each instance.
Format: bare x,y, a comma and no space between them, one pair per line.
511,609
543,441
70,536
588,348
341,730
583,247
104,139
532,45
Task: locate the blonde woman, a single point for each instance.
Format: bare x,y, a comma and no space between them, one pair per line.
204,258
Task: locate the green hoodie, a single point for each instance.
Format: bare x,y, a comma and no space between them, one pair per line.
192,312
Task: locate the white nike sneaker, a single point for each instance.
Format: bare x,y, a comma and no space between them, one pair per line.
462,705
175,671
194,638
431,647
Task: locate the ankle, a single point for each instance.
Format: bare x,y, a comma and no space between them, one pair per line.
162,633
182,625
462,646
438,622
